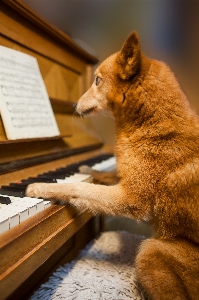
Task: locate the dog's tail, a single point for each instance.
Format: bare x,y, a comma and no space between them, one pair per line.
169,269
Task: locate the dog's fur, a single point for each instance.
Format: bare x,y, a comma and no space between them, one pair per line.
157,150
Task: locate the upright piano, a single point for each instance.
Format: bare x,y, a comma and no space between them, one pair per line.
31,250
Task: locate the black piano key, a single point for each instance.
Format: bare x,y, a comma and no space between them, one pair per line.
66,173
61,173
36,179
13,184
17,187
70,170
51,175
92,161
12,191
5,200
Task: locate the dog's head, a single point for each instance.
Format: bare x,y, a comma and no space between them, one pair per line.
112,80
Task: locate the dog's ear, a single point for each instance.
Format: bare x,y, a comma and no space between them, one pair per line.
129,57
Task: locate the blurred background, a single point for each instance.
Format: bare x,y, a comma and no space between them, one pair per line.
168,30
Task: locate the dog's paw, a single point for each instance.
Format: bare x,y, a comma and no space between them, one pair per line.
56,193
85,169
38,190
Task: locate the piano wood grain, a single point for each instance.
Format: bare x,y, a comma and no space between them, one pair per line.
26,247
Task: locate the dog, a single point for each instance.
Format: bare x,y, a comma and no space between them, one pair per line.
157,152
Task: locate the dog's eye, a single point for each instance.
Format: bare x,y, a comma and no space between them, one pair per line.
97,80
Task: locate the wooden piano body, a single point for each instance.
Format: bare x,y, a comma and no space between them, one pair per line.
31,250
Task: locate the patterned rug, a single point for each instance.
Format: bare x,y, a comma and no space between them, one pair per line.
104,270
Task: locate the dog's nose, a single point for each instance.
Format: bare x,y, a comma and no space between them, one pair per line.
75,105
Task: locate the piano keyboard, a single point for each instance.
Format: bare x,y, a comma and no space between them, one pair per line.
15,207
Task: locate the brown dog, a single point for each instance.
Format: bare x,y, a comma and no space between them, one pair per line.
157,150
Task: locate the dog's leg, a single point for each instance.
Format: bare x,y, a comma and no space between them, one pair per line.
97,198
107,178
169,269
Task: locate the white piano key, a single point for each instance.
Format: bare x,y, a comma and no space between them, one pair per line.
22,211
47,203
77,177
4,224
32,209
13,217
4,196
82,177
106,165
39,202
34,205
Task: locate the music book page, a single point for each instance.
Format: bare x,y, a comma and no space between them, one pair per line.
24,103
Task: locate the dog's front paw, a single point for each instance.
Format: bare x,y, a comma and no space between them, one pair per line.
85,169
56,193
38,190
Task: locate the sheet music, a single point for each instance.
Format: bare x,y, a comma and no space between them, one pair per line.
24,104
